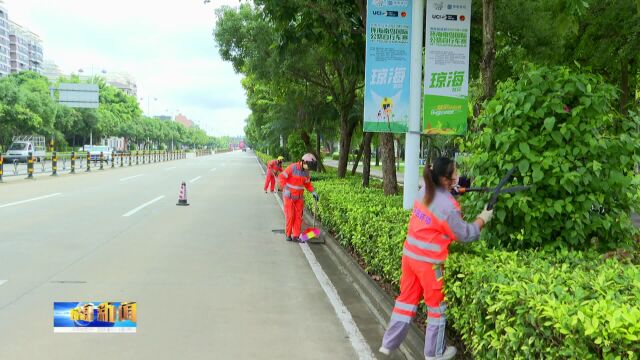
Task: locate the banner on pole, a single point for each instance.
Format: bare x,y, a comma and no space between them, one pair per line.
446,86
388,70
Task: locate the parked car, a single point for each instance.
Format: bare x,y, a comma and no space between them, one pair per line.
95,150
23,145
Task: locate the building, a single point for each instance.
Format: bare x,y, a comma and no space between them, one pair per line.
51,70
127,311
25,49
184,121
107,312
5,63
124,82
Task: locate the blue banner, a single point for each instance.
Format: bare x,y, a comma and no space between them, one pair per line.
387,74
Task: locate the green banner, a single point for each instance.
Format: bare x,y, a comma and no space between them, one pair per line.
444,115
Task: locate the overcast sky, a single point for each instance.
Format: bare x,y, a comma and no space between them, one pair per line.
166,45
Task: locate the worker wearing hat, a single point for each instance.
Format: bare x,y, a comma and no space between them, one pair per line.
274,167
294,180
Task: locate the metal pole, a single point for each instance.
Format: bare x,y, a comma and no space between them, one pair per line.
412,141
88,161
73,162
101,161
1,166
30,167
54,164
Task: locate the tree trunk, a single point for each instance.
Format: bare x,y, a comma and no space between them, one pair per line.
389,178
346,133
489,48
624,86
366,159
358,156
319,153
377,156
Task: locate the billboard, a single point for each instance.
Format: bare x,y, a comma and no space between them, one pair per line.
387,72
446,86
79,95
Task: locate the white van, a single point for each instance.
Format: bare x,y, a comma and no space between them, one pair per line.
23,145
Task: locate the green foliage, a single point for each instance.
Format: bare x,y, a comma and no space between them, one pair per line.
566,305
558,127
364,219
502,304
295,146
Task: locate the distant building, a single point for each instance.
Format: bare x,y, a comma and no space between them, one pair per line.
51,70
123,81
5,60
25,49
186,122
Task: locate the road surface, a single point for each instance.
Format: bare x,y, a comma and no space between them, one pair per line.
212,281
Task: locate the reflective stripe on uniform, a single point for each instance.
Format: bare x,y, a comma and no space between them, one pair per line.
438,271
285,175
423,245
295,187
436,321
413,256
302,173
407,307
288,195
401,318
438,309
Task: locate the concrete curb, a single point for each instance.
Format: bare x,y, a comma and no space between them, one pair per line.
378,301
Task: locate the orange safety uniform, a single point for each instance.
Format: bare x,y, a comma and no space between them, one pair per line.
431,229
294,180
273,169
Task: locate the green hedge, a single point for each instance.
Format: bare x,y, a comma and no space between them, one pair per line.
520,305
523,305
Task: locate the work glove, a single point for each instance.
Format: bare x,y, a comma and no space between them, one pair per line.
486,215
315,196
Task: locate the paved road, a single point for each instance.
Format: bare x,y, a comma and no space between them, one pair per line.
211,280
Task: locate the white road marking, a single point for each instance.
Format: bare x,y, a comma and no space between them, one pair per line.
196,179
29,200
358,342
171,168
2,282
131,177
143,206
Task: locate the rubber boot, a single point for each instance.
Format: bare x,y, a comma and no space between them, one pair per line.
288,238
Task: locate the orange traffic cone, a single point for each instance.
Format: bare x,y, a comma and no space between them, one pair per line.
182,196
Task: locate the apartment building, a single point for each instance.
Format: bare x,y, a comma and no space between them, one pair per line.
5,64
25,49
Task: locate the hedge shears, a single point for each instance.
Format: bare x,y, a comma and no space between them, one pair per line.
497,190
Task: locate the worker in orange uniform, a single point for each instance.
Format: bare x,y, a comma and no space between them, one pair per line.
435,222
294,180
274,167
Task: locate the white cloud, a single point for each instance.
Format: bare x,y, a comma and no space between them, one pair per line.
166,45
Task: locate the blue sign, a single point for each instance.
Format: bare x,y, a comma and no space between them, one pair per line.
387,73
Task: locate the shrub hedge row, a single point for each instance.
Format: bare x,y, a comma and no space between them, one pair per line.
503,304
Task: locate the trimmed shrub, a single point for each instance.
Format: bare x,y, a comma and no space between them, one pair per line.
569,305
559,128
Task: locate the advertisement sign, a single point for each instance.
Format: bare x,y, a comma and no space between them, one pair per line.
446,78
95,317
386,100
